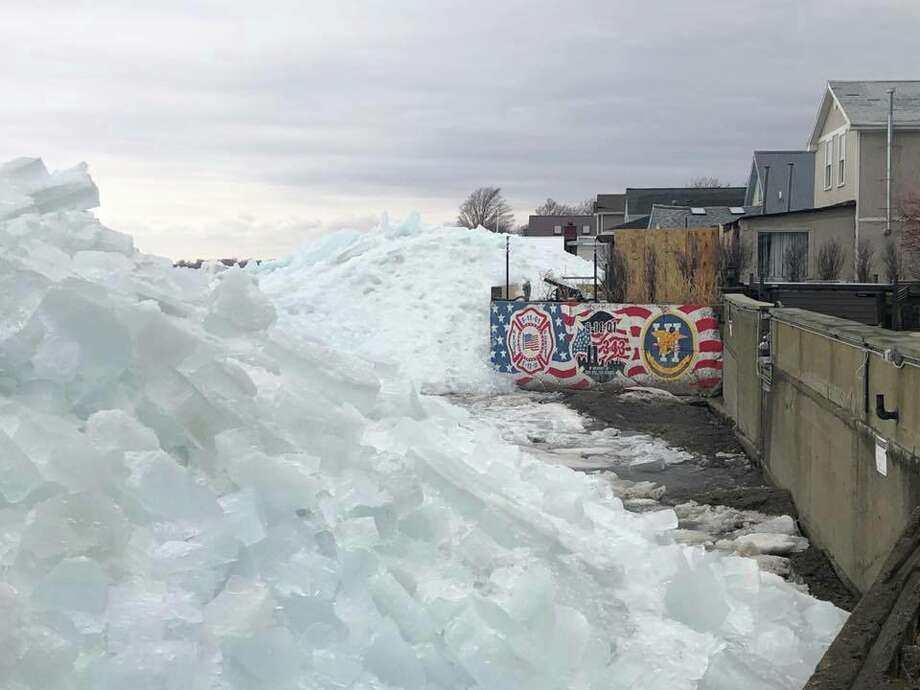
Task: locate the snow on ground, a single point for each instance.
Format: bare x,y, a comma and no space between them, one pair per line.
197,494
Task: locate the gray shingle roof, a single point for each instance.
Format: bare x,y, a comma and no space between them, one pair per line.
865,103
639,201
683,216
640,222
803,179
611,203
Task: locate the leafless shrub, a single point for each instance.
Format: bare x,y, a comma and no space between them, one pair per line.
688,261
831,258
910,237
735,256
864,253
617,278
650,264
795,262
893,262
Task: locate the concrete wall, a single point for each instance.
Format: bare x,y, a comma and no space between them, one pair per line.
553,345
820,430
744,320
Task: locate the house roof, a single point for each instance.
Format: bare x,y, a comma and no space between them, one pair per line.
610,203
755,213
640,222
803,179
865,104
639,201
694,217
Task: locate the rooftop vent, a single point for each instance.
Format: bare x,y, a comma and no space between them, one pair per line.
697,211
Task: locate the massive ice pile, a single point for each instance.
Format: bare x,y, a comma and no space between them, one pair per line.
410,297
195,494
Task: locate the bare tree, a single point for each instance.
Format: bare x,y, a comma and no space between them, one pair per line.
735,256
795,262
551,207
893,261
864,253
486,207
617,277
831,258
650,261
706,182
910,237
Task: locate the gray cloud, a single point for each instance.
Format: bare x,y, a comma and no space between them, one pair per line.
294,114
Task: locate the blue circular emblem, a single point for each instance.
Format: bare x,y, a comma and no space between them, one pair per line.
668,345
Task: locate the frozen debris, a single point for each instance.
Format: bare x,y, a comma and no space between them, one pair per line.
769,544
647,394
209,481
26,186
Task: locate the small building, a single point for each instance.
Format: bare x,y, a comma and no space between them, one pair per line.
771,235
609,211
570,229
781,181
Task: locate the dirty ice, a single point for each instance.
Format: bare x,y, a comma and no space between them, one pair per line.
239,479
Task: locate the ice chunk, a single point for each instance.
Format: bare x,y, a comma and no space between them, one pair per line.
166,489
394,661
268,656
237,303
75,584
117,430
244,517
243,606
770,544
18,475
86,523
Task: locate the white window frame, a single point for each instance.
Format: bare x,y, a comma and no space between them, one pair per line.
585,229
557,229
829,162
842,161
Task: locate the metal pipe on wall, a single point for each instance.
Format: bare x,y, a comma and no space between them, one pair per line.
888,162
766,189
789,188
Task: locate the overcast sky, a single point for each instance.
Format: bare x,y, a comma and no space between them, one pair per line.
241,128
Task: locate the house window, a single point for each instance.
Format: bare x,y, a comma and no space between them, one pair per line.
585,229
842,161
782,255
557,230
828,162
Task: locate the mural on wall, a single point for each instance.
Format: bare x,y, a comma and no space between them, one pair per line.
578,345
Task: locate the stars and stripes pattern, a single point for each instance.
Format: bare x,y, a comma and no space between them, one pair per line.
704,372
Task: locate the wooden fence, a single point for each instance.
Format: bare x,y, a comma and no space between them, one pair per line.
673,265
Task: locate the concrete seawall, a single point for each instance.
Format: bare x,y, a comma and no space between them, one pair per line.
809,410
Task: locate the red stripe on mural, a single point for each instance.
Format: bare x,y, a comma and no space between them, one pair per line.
711,346
636,371
707,324
708,383
634,311
562,373
688,308
707,364
524,380
581,384
635,331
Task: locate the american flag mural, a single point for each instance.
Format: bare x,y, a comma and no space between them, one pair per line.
579,345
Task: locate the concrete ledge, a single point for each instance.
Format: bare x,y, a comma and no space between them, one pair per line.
877,646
